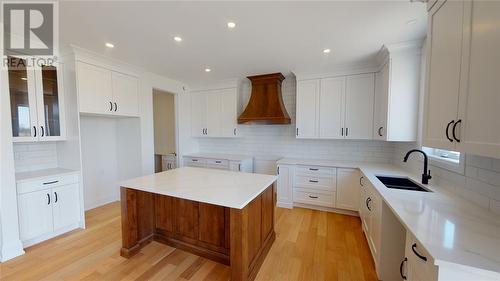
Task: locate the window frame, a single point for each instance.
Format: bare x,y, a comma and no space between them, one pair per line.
449,164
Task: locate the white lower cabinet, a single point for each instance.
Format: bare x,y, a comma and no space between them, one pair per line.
285,183
371,216
348,189
221,162
418,264
48,207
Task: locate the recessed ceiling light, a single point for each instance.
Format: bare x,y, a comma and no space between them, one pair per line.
207,70
410,22
231,24
109,45
327,51
177,39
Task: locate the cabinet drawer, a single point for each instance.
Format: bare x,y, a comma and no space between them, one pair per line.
316,171
315,182
194,162
326,199
46,183
217,163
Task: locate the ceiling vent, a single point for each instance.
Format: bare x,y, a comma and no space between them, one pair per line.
266,103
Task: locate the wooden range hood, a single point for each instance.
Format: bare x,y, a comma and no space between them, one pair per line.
266,103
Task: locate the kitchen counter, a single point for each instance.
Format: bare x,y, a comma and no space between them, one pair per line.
229,157
221,215
40,174
218,187
450,228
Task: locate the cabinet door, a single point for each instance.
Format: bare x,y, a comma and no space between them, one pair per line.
94,89
359,106
50,102
22,100
331,108
375,208
307,109
348,189
66,206
381,102
213,128
480,112
228,116
125,94
443,72
285,185
198,114
35,214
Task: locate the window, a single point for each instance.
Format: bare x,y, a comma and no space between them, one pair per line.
446,159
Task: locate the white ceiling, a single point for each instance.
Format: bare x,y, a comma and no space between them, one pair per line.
269,36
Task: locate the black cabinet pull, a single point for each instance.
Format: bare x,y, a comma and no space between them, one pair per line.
346,132
234,131
48,199
380,131
342,131
313,169
313,181
55,193
413,248
278,170
34,128
206,131
297,133
401,268
454,130
313,197
194,160
218,161
50,182
447,130
110,106
43,131
116,107
361,181
368,200
239,167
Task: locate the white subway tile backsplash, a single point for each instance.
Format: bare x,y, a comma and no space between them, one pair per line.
480,184
34,156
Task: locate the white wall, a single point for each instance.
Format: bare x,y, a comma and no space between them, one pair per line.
268,143
164,122
10,245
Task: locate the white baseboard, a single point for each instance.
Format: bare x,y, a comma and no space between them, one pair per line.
48,236
285,205
327,209
11,250
99,203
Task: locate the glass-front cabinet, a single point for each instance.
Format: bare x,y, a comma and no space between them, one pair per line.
36,99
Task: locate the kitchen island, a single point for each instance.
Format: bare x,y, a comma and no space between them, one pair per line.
224,216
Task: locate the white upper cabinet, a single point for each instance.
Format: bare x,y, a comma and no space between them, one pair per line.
106,92
444,65
307,108
335,108
331,108
480,110
214,113
359,106
463,77
37,101
397,93
125,89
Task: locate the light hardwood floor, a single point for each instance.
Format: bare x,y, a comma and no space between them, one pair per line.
310,245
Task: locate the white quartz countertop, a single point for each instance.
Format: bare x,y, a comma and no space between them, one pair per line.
451,229
230,157
217,187
40,174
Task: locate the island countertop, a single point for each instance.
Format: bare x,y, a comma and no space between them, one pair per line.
217,187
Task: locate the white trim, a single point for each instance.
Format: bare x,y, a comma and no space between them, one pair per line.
327,209
449,164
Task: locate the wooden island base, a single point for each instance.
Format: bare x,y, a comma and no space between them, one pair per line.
240,238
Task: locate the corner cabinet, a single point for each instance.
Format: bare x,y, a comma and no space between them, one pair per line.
214,113
463,66
336,108
37,101
106,92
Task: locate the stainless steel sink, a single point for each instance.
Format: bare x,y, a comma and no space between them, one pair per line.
401,183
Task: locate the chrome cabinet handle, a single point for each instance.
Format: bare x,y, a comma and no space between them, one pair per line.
413,248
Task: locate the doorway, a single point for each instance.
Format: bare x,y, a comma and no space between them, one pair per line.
164,130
